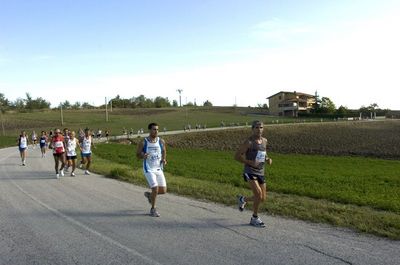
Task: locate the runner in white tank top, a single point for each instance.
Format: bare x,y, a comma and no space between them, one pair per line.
23,146
86,150
153,152
72,144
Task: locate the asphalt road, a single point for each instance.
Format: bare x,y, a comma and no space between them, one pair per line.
95,220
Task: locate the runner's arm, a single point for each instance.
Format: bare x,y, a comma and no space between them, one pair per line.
163,152
240,155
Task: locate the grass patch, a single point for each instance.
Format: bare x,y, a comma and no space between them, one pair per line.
351,192
6,141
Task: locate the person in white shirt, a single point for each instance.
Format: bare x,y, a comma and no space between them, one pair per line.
153,152
72,144
23,146
86,150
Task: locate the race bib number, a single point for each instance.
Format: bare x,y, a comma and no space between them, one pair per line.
261,156
154,160
58,144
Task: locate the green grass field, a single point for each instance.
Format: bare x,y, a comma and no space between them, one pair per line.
6,141
171,118
349,191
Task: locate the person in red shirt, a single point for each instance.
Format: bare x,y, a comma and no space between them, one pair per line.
57,143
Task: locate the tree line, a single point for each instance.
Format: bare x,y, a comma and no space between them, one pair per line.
30,104
324,107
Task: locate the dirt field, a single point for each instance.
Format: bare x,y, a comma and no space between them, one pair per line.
374,139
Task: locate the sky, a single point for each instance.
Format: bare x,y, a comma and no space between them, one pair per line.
225,51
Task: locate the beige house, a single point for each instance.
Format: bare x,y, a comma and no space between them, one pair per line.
290,103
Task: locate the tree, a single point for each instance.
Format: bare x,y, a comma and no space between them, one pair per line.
86,105
207,103
372,107
174,103
19,104
4,102
342,111
31,104
76,105
28,102
327,105
66,104
161,102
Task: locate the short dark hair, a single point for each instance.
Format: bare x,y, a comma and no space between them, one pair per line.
255,123
151,125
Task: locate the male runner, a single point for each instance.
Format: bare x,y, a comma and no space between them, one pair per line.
253,154
153,152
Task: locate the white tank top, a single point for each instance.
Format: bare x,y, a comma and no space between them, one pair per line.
86,145
154,151
71,147
23,142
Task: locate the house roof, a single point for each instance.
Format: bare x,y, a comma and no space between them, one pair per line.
291,92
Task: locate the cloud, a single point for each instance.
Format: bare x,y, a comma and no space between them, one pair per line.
279,30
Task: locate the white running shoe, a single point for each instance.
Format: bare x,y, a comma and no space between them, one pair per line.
87,172
257,222
154,213
62,173
81,166
72,174
57,176
241,202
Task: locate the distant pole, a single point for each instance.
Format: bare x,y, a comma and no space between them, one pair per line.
180,100
2,122
111,105
106,109
61,113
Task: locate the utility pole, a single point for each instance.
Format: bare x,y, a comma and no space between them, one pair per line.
106,109
2,121
61,113
180,100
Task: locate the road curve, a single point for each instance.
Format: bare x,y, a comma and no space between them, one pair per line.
95,220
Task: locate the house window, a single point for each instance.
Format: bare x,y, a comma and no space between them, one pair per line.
280,97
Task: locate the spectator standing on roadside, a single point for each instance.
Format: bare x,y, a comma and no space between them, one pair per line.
253,154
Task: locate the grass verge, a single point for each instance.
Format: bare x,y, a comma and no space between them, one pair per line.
363,218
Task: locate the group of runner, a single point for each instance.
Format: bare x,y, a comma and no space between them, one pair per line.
252,153
64,145
152,150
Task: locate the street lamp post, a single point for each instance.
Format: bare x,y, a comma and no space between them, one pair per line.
180,100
